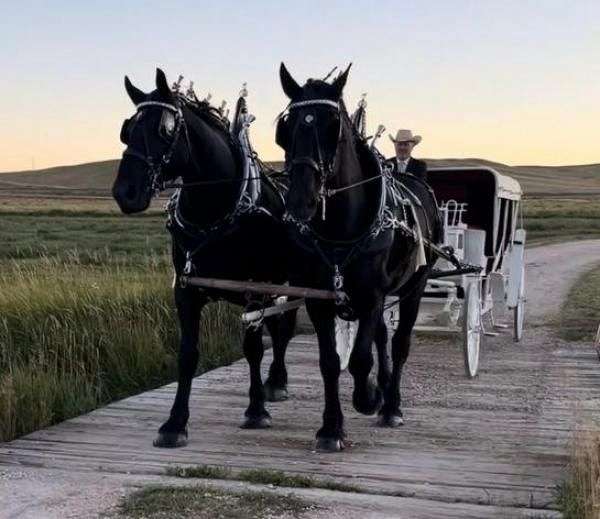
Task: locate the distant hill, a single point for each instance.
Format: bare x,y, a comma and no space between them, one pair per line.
580,180
95,178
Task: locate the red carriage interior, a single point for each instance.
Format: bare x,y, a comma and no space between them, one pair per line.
476,188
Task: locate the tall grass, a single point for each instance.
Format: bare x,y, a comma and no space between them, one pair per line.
579,495
579,316
79,331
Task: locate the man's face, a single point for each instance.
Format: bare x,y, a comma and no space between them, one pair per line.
404,149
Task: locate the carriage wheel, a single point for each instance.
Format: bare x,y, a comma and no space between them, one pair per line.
471,327
519,310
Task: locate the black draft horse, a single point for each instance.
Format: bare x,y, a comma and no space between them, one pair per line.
334,211
216,232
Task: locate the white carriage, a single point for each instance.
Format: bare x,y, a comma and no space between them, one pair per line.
483,225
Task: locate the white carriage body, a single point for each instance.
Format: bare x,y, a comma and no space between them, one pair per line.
480,210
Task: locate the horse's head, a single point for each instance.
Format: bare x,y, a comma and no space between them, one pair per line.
309,133
152,136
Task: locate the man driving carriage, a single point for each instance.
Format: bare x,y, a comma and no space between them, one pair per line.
404,142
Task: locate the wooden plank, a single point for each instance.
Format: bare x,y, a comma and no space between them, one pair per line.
501,439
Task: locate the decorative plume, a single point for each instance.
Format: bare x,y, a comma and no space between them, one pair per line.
177,85
330,73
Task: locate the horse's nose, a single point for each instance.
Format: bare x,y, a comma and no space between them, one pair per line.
124,191
304,211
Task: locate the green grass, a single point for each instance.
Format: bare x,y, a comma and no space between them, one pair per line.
62,206
200,471
86,311
556,220
41,234
203,502
579,316
276,478
74,336
570,500
578,497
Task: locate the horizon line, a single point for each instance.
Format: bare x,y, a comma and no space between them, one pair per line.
78,164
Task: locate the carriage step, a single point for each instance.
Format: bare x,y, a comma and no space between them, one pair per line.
491,334
501,325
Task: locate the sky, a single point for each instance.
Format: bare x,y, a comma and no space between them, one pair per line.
512,81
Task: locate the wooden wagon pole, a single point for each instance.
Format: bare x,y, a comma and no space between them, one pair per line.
249,317
258,288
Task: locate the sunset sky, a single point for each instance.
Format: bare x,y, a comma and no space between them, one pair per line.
512,81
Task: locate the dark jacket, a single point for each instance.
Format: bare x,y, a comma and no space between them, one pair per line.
416,167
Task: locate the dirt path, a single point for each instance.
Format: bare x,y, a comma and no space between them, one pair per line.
495,446
551,270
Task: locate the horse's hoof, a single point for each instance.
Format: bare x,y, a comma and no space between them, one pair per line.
171,440
368,402
257,422
329,445
390,421
275,394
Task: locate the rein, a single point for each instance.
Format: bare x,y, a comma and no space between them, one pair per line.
155,169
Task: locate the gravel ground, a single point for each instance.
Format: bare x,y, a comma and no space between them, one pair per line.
42,493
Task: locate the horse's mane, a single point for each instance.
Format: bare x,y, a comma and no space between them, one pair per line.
346,121
208,113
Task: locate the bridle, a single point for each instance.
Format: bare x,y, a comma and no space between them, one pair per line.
155,167
321,167
324,169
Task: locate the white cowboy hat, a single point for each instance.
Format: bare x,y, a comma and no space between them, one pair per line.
406,136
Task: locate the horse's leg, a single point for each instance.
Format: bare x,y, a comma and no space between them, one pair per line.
383,359
257,417
189,303
281,329
391,413
367,396
330,437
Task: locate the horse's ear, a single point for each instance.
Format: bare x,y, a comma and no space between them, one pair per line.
135,94
162,85
340,81
292,89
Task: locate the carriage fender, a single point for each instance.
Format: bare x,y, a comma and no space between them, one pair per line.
515,268
475,247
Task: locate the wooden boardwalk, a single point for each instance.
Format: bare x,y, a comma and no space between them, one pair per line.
498,440
495,446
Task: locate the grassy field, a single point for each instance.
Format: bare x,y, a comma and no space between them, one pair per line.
34,227
580,314
561,219
86,312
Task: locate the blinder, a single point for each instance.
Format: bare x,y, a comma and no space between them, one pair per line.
167,125
169,129
125,131
282,132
